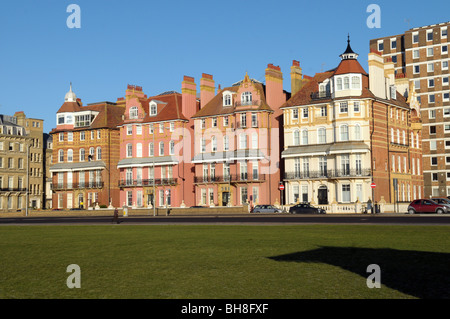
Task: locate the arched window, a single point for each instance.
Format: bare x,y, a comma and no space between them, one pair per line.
404,137
344,132
150,149
172,148
70,155
82,155
321,135
99,153
133,112
305,137
213,144
357,132
296,137
392,135
398,136
91,153
161,148
255,140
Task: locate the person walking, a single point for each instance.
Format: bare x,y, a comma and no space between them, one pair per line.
116,216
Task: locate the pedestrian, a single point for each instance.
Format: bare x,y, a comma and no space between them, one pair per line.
116,216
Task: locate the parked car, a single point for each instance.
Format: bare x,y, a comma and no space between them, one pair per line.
266,209
442,200
305,208
427,206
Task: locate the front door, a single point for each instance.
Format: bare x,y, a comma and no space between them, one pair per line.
225,198
322,195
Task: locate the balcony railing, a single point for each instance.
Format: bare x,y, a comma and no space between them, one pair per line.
235,178
331,173
247,103
12,189
80,185
147,182
320,95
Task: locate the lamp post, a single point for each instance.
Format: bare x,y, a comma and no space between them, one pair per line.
154,190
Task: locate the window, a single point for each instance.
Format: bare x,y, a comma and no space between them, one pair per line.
305,112
133,112
444,49
296,137
243,141
213,144
60,119
429,52
129,150
172,148
243,120
444,65
305,162
226,146
60,156
380,46
150,129
244,197
138,130
295,114
82,136
416,69
356,107
394,44
305,137
254,140
323,165
431,98
346,83
358,164
445,80
444,32
346,193
323,111
246,98
153,109
227,100
129,130
416,54
150,149
433,160
70,155
430,83
161,148
172,126
138,150
355,82
343,107
225,121
339,84
357,132
70,136
432,114
446,98
304,193
321,135
203,123
415,37
254,120
91,154
82,155
430,35
344,132
430,67
161,128
446,128
61,137
214,122
203,145
345,165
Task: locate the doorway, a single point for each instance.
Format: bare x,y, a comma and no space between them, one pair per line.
322,195
225,198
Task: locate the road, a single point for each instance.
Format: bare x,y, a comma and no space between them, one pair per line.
251,219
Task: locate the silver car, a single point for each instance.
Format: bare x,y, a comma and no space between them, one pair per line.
266,209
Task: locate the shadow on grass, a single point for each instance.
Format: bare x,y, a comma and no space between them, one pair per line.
421,274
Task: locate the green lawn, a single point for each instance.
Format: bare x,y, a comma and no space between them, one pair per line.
245,262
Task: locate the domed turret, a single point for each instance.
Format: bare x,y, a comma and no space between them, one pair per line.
70,96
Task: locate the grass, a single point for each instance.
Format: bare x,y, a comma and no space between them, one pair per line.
243,262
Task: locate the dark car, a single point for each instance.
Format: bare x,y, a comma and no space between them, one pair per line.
266,209
305,208
427,206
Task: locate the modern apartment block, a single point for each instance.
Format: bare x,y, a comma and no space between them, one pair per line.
346,129
421,60
86,151
238,135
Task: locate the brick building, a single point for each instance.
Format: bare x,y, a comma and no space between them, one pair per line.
346,128
85,154
420,57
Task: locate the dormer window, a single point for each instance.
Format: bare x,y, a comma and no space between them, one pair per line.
134,112
60,119
339,84
356,82
153,109
227,99
246,98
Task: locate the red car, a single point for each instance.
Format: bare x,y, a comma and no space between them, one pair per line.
427,206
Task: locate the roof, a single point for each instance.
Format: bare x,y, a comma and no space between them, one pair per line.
215,106
349,66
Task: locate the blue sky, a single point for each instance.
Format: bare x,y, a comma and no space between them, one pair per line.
155,43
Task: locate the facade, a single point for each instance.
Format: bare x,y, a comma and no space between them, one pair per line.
155,149
345,129
421,59
85,154
14,143
237,142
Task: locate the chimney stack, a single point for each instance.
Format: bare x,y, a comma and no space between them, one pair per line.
189,96
275,96
207,89
377,81
296,77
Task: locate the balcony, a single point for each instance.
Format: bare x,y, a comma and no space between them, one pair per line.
147,182
13,189
320,95
235,178
326,174
247,103
70,186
